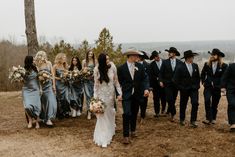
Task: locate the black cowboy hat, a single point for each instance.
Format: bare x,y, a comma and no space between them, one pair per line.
217,52
189,53
144,55
173,50
154,54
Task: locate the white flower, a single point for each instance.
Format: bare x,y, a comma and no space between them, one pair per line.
136,69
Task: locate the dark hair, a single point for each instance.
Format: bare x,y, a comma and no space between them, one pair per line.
28,64
87,57
103,68
79,66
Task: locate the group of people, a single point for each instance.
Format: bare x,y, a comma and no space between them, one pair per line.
130,84
55,98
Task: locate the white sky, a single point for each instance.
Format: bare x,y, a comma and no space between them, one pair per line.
128,20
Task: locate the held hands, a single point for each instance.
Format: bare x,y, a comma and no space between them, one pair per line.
119,98
146,93
161,84
223,92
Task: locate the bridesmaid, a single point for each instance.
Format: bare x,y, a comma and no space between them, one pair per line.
62,88
76,89
31,93
89,62
48,99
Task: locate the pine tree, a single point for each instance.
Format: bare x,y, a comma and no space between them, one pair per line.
83,49
105,43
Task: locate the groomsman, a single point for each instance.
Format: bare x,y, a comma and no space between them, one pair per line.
228,87
187,80
144,103
211,79
135,85
166,74
159,96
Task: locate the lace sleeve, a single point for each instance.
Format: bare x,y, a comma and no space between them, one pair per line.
116,82
96,82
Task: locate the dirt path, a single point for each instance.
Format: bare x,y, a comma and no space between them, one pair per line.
73,137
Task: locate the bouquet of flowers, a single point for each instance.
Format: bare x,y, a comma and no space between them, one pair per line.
44,76
86,73
17,74
97,106
76,75
66,76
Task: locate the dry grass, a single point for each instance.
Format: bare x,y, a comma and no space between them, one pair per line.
73,137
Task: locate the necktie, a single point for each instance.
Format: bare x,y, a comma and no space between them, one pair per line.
158,65
214,66
132,70
173,65
190,68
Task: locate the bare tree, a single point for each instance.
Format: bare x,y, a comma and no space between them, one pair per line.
31,31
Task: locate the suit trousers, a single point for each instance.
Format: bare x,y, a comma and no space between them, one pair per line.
231,106
171,95
212,98
130,111
184,97
159,97
143,107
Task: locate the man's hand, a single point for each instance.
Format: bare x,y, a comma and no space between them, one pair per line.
146,93
161,84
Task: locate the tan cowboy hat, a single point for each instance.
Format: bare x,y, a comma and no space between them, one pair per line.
132,51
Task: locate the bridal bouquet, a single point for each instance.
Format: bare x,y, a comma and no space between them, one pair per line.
87,73
76,75
17,74
66,76
97,106
44,76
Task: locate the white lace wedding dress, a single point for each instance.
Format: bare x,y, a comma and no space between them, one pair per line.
105,124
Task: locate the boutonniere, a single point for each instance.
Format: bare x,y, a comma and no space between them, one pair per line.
220,69
136,69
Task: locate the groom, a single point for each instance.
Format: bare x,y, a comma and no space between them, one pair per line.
134,83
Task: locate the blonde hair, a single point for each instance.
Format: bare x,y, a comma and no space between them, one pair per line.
40,58
220,61
59,60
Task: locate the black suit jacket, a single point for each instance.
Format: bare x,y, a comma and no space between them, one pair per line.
166,72
183,80
228,78
212,80
140,82
154,72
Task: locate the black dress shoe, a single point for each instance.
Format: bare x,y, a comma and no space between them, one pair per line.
193,125
182,123
207,122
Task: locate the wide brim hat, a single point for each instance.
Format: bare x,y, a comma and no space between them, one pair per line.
173,50
129,52
144,55
189,53
154,54
217,52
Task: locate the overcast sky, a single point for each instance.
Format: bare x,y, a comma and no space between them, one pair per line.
127,20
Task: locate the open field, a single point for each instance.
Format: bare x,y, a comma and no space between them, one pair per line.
73,137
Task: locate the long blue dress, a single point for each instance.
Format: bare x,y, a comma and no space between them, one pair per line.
89,88
48,99
76,93
62,91
31,95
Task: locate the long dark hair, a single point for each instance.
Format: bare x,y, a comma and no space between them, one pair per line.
79,66
29,65
103,68
87,57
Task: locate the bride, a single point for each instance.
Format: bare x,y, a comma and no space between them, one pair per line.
105,87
